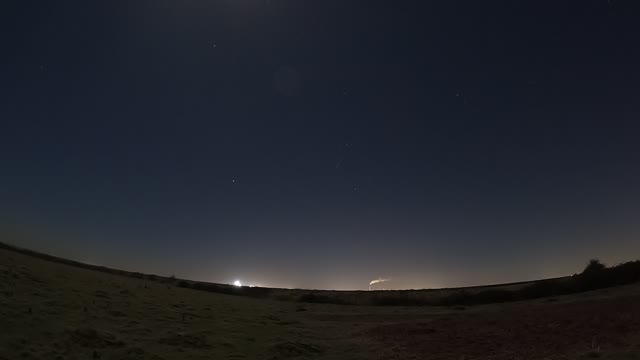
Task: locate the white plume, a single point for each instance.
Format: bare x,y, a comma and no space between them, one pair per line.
378,281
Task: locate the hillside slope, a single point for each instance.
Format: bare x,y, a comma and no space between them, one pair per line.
54,311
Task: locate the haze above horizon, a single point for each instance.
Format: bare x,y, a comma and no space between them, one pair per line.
323,144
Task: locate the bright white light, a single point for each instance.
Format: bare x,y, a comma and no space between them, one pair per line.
237,283
376,281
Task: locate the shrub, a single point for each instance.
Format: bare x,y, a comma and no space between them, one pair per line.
593,276
594,267
625,273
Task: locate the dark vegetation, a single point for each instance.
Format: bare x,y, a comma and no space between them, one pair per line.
53,311
595,276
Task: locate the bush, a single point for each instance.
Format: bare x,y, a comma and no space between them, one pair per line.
594,276
594,266
625,273
597,275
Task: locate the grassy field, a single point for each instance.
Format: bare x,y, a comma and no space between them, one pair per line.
51,310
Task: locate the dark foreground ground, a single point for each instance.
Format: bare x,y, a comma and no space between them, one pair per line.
54,311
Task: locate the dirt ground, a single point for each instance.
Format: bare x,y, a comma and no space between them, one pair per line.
521,331
55,311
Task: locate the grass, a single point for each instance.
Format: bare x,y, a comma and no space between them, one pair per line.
51,310
595,276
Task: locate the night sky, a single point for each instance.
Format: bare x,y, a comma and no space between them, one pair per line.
323,144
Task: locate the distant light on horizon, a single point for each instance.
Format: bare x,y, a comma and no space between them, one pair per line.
376,281
512,166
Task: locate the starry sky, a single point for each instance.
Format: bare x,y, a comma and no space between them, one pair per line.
323,144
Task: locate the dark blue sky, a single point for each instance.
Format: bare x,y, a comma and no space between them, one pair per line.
323,144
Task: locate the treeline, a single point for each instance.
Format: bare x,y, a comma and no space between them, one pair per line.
595,276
